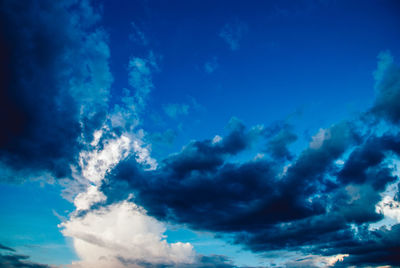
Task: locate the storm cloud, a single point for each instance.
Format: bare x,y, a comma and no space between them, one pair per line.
55,83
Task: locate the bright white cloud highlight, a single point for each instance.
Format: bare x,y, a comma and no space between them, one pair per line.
122,233
389,207
96,163
85,200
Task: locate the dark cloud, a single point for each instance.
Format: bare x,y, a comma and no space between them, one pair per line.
201,261
19,261
13,260
6,248
365,162
52,55
312,206
277,146
197,186
376,247
203,156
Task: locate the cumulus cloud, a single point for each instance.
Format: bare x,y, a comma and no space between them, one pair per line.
57,91
389,207
277,146
316,206
84,200
58,95
122,231
119,234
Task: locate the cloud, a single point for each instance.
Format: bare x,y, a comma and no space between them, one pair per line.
140,77
14,260
57,121
197,179
387,86
315,261
316,206
138,35
85,200
173,109
232,34
122,231
57,83
211,65
277,145
3,247
389,207
167,137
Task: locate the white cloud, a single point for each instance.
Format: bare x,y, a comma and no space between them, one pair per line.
258,156
143,152
95,164
85,200
216,139
123,230
389,208
96,137
120,234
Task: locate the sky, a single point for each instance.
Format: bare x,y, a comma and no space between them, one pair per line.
190,134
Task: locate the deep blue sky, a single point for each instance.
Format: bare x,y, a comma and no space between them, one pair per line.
291,57
195,133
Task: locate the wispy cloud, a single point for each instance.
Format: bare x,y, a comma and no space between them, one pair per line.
140,77
232,34
138,35
211,65
174,109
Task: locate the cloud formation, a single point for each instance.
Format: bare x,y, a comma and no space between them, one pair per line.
174,109
56,85
122,233
58,122
13,260
321,204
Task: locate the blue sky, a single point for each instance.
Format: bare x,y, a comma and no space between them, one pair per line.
199,133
